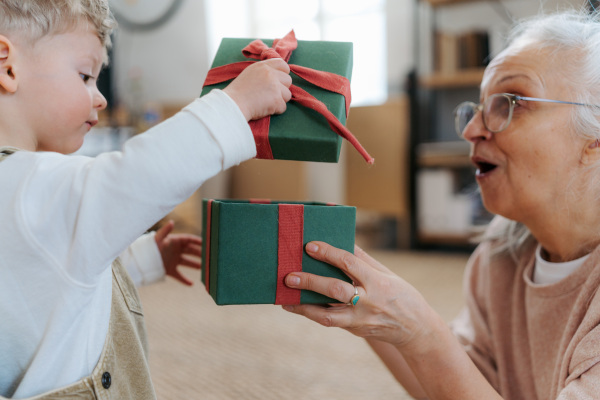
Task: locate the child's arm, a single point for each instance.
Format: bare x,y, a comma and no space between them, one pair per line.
82,212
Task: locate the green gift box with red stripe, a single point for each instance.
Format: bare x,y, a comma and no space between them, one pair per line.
313,125
249,246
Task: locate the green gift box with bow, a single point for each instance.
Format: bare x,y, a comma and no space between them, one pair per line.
302,132
250,246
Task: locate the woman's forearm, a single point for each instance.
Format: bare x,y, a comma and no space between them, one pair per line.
396,364
443,368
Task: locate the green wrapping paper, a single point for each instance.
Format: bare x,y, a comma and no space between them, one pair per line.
242,263
301,133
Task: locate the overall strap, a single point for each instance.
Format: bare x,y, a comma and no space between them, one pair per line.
5,151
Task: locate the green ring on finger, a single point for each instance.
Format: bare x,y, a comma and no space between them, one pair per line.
354,298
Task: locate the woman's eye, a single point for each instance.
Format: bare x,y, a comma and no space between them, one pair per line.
85,77
520,103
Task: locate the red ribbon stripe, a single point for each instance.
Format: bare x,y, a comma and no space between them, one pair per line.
289,250
207,245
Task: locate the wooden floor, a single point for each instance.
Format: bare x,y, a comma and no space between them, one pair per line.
202,351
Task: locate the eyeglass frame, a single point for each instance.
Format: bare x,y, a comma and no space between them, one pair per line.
513,98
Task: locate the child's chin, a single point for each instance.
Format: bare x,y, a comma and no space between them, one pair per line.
72,148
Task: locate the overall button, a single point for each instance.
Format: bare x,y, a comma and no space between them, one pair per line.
106,380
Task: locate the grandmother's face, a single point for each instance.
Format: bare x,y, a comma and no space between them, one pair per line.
524,172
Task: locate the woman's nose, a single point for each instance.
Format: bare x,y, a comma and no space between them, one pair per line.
475,130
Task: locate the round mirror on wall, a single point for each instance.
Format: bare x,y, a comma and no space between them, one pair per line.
143,14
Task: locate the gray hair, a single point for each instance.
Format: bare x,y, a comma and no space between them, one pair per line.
33,19
575,36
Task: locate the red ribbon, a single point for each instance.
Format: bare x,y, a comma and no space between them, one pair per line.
283,48
260,201
289,250
207,245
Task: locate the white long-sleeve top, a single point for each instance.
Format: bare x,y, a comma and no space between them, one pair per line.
143,261
64,219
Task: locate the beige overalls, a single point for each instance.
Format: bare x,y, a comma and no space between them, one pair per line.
122,371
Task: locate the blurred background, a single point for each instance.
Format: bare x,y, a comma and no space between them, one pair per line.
414,61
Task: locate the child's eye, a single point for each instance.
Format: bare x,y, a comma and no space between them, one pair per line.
85,77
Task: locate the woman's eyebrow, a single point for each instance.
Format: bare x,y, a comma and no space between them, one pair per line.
515,76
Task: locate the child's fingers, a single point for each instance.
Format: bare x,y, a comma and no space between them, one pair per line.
286,95
175,274
193,249
278,64
187,237
164,231
184,280
190,262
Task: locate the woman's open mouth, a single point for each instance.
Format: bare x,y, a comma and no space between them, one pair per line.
484,167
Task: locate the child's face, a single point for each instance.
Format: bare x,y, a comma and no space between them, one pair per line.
58,85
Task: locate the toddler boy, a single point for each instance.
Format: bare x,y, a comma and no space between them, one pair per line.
71,323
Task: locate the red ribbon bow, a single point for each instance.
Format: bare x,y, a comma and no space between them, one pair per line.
283,48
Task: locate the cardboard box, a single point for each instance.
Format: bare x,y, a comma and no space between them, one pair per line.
382,187
271,179
301,133
248,247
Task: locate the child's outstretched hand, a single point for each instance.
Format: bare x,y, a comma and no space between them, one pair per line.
178,249
262,88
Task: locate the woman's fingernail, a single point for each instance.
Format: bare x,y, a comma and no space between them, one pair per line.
292,280
312,248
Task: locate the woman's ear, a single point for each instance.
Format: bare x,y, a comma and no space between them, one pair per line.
591,152
8,76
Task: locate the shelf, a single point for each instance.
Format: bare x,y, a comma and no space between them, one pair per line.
438,3
444,154
444,206
460,78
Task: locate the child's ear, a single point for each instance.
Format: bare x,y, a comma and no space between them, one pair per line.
591,152
8,77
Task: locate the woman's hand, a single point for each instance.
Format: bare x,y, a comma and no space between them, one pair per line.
389,309
425,357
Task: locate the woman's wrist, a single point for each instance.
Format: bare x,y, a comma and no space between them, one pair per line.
443,367
429,328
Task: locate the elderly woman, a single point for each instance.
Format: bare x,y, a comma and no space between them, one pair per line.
531,328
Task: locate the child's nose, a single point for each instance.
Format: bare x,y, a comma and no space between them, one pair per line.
100,102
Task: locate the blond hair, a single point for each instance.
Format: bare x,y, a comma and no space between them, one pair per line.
34,19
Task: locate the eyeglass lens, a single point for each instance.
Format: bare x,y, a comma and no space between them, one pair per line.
496,113
464,114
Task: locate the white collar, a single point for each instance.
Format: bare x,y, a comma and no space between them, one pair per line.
547,273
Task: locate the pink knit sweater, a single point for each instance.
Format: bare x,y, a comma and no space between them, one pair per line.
532,341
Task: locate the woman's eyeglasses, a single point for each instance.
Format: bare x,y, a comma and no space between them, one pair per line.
497,111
